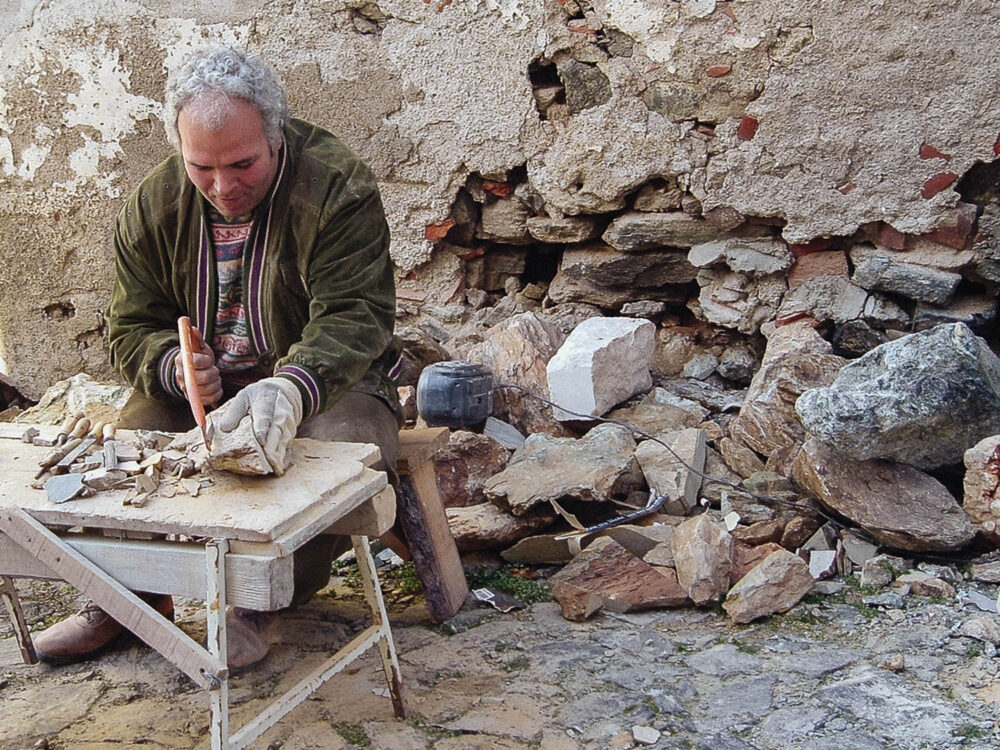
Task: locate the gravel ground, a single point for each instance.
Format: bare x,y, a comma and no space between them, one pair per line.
832,673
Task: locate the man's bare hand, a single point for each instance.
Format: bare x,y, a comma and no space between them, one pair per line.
206,373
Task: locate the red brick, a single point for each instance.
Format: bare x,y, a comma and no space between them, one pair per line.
954,230
501,189
937,183
474,252
846,188
579,26
717,71
813,246
927,151
438,229
889,236
747,128
996,146
814,265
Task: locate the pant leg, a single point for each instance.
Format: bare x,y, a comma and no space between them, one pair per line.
356,418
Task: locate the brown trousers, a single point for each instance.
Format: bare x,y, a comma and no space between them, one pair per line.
356,418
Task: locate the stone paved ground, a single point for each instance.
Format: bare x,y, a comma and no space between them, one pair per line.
817,678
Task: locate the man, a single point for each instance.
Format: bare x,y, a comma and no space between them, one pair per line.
270,235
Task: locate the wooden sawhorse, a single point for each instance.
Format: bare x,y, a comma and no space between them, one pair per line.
244,559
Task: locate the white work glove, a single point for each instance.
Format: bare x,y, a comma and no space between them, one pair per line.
274,408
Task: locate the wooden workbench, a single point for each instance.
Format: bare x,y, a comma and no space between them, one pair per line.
230,544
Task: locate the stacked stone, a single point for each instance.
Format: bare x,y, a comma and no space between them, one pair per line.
662,257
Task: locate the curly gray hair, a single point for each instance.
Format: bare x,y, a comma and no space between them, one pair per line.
214,75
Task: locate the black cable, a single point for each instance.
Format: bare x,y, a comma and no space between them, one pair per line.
657,502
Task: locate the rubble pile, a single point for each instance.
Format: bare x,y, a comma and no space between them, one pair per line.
746,494
696,489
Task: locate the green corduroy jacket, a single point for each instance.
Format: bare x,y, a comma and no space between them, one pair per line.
317,277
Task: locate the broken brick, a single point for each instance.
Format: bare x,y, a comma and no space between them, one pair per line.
579,26
890,237
499,189
927,151
937,183
846,188
954,229
717,71
814,265
747,128
438,229
474,252
813,246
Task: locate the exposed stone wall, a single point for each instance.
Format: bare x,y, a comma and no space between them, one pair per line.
535,139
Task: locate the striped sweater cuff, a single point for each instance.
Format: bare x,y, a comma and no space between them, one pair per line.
310,387
168,370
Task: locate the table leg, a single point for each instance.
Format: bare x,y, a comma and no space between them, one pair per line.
215,603
123,605
9,594
386,646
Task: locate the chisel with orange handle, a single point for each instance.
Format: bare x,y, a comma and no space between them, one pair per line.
190,384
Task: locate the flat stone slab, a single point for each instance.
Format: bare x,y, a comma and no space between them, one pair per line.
897,504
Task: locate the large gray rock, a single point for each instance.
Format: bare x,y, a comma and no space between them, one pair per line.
895,503
922,399
598,467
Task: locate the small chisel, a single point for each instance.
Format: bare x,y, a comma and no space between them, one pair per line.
57,455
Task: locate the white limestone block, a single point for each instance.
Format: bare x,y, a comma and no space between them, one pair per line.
603,362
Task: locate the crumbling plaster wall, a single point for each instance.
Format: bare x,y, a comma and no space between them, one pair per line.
811,112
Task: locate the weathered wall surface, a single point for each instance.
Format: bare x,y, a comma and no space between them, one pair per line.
822,118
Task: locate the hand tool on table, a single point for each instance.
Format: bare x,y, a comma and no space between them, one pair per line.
190,383
89,438
74,436
68,426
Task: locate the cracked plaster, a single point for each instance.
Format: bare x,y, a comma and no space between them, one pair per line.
430,93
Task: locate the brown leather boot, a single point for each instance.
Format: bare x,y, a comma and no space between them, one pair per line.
248,636
88,631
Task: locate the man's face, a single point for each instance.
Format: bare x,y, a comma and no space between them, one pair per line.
233,166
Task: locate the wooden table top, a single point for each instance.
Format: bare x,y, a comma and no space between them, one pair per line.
325,479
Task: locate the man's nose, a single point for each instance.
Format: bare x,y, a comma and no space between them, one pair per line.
223,182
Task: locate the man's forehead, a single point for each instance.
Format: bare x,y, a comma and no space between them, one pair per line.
230,134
